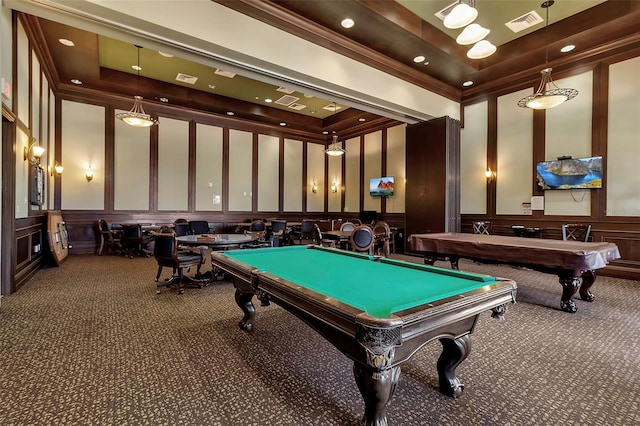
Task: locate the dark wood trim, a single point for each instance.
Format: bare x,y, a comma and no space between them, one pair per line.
383,170
225,169
254,173
492,153
8,203
305,184
281,174
191,173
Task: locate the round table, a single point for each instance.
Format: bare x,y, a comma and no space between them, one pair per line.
216,241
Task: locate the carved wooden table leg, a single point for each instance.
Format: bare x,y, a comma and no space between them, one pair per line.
377,388
453,353
588,278
570,282
243,300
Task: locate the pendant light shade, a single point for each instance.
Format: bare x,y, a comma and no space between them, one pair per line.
136,116
548,94
461,15
335,150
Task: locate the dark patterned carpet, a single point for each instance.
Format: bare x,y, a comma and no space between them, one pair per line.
90,343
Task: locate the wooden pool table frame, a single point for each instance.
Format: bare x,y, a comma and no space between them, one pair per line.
377,346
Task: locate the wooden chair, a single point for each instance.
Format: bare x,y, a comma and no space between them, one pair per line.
304,233
166,254
382,236
362,239
135,241
109,239
481,228
198,227
319,240
347,226
279,232
576,232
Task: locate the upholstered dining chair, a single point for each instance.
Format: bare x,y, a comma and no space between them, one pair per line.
198,227
319,240
304,233
362,239
135,241
347,226
382,236
109,239
576,231
166,253
279,232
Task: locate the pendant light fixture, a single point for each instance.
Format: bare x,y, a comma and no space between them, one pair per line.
548,94
461,15
335,149
136,116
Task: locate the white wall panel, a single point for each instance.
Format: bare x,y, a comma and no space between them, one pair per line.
35,98
335,178
22,175
22,96
240,170
568,132
352,176
514,176
51,143
315,173
131,157
83,147
268,173
622,178
292,176
173,164
473,159
208,168
397,167
372,167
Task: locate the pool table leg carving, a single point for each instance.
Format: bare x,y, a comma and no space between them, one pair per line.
377,388
430,259
454,351
588,278
243,299
570,282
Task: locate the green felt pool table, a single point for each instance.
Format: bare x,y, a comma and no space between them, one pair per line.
376,311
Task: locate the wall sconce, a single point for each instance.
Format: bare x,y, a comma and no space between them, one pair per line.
314,187
57,169
88,174
33,153
490,175
334,187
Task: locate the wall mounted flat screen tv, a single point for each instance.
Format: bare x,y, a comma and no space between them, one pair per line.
381,187
570,173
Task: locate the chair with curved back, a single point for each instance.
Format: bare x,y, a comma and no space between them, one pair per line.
304,233
347,226
109,239
257,226
362,239
576,232
135,240
166,254
279,232
382,235
319,240
198,227
181,227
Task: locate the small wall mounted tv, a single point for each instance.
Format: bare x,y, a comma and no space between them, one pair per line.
381,187
570,173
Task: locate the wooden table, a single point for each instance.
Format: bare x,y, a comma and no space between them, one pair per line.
574,262
378,312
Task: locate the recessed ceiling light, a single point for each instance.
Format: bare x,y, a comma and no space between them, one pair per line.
231,113
467,83
166,55
283,124
267,100
325,133
347,23
426,63
212,86
362,119
66,42
165,100
568,48
419,59
76,81
136,67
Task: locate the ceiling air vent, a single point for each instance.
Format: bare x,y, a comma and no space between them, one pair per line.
224,73
447,10
297,106
186,78
286,100
285,90
525,21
